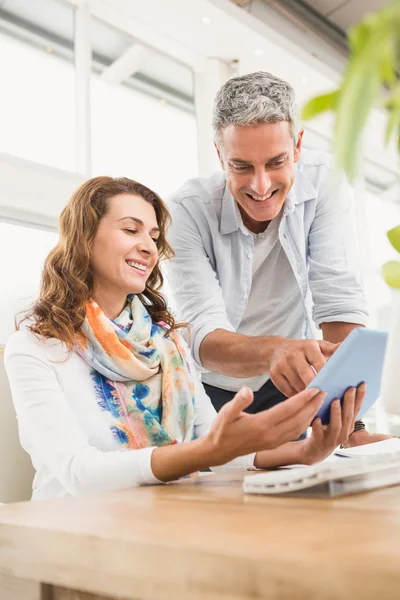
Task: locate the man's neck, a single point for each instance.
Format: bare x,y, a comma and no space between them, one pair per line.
251,224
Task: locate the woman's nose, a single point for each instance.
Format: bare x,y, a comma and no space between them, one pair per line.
147,247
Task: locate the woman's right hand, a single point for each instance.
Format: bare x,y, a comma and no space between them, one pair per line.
236,433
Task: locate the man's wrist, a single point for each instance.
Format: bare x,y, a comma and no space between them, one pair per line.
268,346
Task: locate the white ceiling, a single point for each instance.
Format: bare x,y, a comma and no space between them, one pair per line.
53,16
49,18
345,13
190,31
231,33
259,40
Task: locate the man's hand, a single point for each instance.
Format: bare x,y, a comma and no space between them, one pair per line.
359,438
294,363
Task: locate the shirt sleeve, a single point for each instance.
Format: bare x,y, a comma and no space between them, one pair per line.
48,422
196,289
334,267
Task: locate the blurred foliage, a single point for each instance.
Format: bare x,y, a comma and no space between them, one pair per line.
371,79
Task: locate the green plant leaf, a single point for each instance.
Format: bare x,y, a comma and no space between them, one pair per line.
393,123
320,104
392,104
361,87
359,34
394,237
391,273
374,60
358,95
387,61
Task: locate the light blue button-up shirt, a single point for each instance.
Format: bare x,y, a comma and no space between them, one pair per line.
211,273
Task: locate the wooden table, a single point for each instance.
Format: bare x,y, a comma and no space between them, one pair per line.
201,540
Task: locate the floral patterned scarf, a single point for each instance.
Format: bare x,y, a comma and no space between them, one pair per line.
141,376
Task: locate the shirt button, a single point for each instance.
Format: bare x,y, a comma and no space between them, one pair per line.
245,296
250,255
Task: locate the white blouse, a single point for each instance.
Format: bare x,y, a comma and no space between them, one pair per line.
67,433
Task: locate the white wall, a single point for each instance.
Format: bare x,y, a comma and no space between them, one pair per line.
16,471
34,193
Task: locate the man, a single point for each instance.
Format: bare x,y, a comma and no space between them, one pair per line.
255,243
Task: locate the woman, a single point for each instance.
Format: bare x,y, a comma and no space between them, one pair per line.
105,392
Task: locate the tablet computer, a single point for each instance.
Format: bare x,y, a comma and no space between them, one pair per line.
358,359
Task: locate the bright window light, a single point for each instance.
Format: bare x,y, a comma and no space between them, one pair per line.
37,116
137,136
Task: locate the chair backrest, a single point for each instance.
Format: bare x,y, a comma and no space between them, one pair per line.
16,471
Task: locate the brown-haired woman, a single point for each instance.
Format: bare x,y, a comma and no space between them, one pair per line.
105,391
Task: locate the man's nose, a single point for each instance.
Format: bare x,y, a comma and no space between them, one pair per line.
261,182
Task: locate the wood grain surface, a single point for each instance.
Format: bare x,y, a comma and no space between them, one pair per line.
203,539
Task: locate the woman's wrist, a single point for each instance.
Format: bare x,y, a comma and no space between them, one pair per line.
287,454
177,460
305,457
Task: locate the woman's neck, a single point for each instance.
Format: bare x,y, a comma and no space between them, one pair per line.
111,303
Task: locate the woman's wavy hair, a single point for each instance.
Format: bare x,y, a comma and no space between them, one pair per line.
67,282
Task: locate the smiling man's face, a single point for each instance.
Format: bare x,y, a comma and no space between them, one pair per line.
259,164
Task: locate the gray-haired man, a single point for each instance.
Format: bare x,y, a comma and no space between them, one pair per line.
255,242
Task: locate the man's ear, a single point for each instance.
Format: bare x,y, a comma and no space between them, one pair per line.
221,162
299,141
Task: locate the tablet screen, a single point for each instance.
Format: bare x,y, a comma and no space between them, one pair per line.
358,359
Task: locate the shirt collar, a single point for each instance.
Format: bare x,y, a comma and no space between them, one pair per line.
301,191
229,220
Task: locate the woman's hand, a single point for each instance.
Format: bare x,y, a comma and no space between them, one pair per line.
325,438
269,433
236,433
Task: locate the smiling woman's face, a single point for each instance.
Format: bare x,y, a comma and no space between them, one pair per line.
124,251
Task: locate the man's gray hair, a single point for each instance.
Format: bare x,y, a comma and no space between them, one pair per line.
253,99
